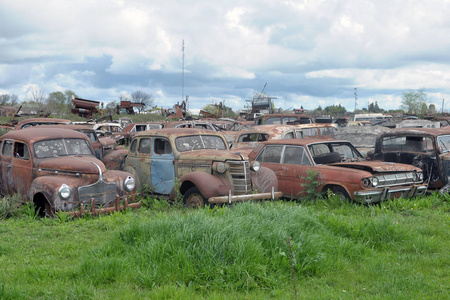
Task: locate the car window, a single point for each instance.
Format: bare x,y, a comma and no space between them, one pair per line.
21,151
61,147
133,146
318,149
270,154
345,150
289,135
145,146
162,146
407,143
140,128
296,156
253,137
310,132
195,142
7,148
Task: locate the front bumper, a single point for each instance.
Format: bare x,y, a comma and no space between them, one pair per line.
382,194
238,198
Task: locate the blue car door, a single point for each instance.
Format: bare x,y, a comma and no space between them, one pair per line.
163,170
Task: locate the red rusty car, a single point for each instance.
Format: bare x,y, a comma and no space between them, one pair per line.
56,169
340,168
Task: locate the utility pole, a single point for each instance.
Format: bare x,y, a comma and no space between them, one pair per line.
182,75
356,97
443,106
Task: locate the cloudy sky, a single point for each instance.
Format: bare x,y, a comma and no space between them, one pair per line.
309,53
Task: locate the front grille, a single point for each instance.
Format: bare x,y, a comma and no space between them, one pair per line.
240,172
102,192
396,179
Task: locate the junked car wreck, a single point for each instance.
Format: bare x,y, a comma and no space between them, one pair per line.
426,148
57,171
340,168
198,165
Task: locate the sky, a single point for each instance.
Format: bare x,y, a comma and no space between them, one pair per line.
303,53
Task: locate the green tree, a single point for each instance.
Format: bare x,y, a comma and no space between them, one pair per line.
60,102
335,110
412,101
8,100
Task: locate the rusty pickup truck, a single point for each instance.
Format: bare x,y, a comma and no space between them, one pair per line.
56,169
198,165
340,168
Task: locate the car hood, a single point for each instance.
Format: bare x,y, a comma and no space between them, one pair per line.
82,164
377,166
211,154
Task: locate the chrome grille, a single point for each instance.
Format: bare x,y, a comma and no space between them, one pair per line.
240,172
396,179
103,193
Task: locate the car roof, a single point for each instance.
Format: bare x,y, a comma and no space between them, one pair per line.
417,131
37,133
303,142
177,132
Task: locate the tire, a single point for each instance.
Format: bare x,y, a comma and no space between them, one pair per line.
193,198
341,193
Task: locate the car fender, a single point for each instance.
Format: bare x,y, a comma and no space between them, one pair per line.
49,186
209,185
264,180
115,158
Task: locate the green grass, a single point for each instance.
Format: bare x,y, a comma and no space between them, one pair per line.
398,250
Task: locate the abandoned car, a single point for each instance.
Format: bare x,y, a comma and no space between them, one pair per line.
426,148
57,170
340,168
196,164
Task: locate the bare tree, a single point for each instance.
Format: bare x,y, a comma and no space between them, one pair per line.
146,99
37,95
8,100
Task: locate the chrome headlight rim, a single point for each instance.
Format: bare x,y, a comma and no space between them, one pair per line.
419,176
366,182
220,167
64,192
129,184
255,166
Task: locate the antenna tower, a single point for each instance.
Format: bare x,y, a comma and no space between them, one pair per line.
182,74
356,97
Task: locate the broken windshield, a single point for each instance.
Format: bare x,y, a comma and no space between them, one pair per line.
195,142
61,147
444,143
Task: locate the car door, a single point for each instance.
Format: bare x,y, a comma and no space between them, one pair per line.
162,164
6,166
22,169
295,166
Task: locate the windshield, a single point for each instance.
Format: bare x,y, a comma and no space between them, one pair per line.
61,147
408,144
444,143
195,142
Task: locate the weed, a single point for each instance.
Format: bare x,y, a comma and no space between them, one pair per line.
310,185
28,211
10,206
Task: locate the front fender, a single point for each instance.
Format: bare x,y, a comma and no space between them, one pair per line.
114,159
264,180
209,185
49,186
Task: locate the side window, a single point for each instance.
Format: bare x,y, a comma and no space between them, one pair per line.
298,134
270,154
21,151
289,135
162,146
273,120
145,146
7,148
296,156
133,146
141,127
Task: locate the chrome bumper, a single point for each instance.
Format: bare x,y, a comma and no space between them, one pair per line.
382,194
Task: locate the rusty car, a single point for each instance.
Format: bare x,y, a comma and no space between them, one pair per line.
426,148
57,171
30,122
340,168
249,138
197,165
273,119
124,137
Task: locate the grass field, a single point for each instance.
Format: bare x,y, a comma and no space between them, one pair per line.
270,250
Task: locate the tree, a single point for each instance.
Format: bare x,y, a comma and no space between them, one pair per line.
412,101
374,108
335,110
37,95
146,99
8,100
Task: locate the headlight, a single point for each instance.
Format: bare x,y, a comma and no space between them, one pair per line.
64,192
366,182
420,176
255,166
129,184
220,167
375,181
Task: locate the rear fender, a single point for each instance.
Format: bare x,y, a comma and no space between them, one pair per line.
114,160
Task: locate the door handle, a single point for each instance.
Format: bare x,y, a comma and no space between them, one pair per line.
150,162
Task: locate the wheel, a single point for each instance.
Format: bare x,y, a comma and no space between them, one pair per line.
193,198
340,192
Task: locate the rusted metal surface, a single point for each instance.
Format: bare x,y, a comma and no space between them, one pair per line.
128,132
273,119
40,121
195,158
426,148
340,167
84,108
248,138
38,163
